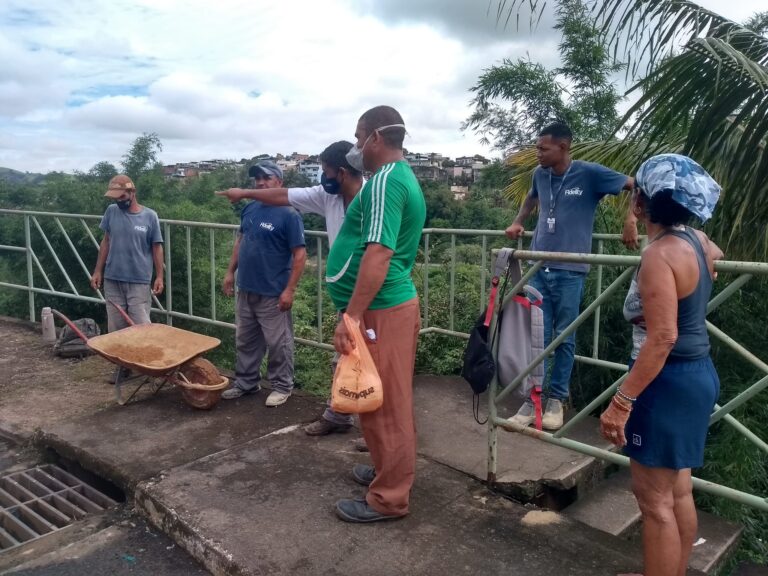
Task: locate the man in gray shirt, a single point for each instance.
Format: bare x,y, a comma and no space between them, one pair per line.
132,242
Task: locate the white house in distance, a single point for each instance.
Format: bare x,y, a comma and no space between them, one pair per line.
311,170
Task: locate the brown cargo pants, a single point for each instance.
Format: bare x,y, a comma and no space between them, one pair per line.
390,431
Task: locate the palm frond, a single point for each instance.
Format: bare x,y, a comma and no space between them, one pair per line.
643,32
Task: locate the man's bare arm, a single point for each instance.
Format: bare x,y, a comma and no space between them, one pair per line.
271,196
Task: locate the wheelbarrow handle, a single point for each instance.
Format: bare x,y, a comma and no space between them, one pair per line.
122,313
71,324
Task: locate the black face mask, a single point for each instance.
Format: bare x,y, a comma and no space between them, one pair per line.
330,185
124,204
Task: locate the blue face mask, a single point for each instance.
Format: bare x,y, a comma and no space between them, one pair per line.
330,185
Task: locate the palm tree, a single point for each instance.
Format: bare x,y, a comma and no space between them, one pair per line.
702,82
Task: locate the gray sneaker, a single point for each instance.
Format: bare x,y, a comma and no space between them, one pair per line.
553,415
235,392
525,416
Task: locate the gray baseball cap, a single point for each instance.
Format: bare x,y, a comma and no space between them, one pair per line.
265,168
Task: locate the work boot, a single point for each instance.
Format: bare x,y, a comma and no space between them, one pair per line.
525,416
363,474
360,445
323,427
553,415
358,510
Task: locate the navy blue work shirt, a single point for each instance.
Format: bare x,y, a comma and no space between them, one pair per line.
269,235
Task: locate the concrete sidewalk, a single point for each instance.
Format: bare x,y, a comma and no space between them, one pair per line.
266,507
244,491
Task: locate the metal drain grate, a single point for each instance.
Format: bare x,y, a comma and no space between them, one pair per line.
41,500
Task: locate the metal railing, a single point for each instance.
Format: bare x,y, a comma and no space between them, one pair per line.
217,239
498,391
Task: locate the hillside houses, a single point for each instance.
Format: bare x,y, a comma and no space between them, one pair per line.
434,167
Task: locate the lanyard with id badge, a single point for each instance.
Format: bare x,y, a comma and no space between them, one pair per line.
553,199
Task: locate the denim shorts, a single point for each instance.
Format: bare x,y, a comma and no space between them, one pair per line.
668,424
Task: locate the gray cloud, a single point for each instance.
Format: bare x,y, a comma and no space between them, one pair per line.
472,23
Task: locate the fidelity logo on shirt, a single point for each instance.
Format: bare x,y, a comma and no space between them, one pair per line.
574,191
267,225
140,228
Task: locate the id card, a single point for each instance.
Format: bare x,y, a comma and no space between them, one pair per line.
551,224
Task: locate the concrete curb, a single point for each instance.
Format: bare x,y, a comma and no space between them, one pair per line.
210,554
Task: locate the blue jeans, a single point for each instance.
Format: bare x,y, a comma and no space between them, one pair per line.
562,291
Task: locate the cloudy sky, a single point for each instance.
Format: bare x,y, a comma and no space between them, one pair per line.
80,80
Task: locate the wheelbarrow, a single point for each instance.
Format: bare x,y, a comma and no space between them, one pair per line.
166,354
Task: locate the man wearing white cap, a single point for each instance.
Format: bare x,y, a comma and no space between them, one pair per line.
132,242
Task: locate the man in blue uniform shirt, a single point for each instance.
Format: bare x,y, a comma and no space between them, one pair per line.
567,193
269,257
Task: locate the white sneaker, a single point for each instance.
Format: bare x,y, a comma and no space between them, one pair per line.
276,398
525,416
553,415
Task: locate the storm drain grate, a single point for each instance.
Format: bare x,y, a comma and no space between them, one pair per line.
41,500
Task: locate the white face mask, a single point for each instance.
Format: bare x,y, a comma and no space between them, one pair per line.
355,154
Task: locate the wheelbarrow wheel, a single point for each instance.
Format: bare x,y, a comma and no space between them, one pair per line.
201,371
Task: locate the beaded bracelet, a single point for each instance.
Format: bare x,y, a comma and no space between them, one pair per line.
620,405
624,396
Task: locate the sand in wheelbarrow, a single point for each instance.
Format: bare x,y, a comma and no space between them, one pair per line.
154,346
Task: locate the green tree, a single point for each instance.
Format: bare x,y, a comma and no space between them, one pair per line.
515,99
142,156
295,179
102,171
758,23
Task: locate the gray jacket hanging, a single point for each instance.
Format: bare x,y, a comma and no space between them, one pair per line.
521,333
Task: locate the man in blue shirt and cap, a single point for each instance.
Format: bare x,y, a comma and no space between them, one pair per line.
269,257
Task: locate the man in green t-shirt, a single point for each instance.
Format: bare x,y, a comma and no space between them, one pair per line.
369,277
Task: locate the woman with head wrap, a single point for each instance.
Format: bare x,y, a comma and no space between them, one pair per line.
660,414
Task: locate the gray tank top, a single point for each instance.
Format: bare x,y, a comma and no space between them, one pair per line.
692,338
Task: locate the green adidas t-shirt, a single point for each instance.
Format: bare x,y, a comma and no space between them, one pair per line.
389,210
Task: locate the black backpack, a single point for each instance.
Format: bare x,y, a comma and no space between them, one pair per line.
479,367
70,345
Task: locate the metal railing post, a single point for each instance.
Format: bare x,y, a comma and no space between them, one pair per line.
425,298
188,231
598,289
483,273
452,287
168,279
30,274
320,289
212,247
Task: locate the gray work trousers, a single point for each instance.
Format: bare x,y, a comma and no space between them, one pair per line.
262,328
330,414
134,299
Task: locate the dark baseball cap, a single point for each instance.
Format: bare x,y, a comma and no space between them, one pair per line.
265,168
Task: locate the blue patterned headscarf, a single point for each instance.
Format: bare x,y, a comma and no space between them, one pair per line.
690,184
